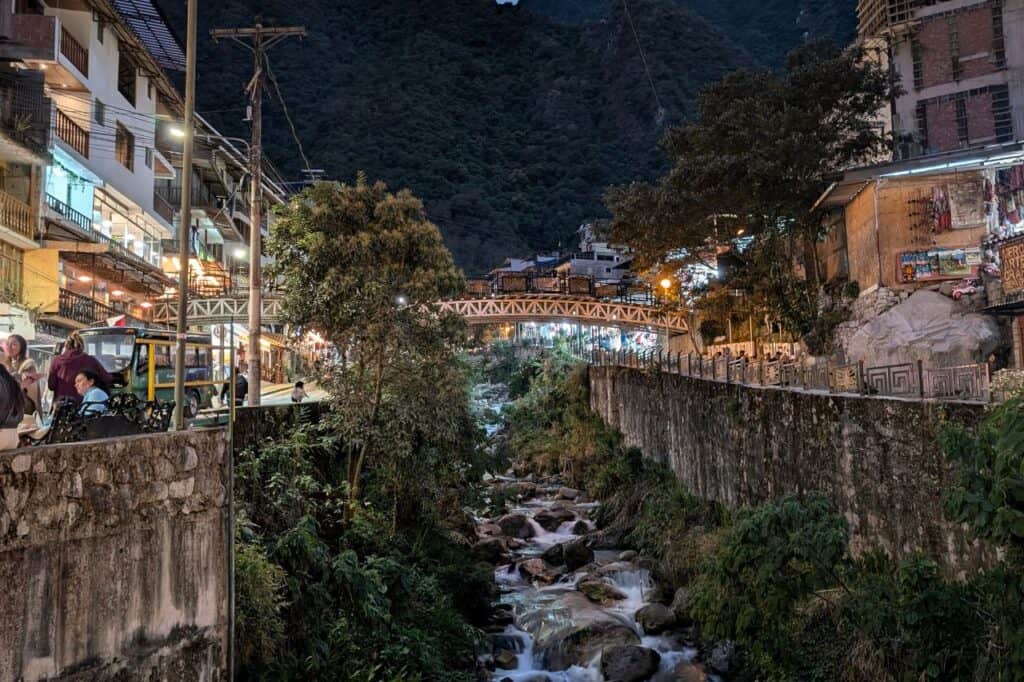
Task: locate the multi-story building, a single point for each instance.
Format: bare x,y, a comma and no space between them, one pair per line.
960,64
102,230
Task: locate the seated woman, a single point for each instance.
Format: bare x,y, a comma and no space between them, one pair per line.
94,398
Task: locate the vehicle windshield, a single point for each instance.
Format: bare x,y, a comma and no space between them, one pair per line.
114,351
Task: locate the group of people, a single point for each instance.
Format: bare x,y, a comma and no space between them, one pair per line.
74,376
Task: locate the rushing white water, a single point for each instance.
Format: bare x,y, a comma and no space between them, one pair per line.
547,608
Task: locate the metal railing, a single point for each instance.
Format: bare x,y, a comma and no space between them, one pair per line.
74,51
163,208
86,224
75,135
25,109
85,310
16,216
908,380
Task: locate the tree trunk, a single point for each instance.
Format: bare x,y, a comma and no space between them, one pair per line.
355,488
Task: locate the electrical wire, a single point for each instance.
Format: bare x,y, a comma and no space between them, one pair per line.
284,106
643,58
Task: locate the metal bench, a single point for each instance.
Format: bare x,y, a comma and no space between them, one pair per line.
123,415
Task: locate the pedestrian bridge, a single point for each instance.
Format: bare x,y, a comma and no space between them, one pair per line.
225,310
565,308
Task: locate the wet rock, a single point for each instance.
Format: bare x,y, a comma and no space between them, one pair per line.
568,493
615,567
506,660
539,570
629,663
576,554
655,618
516,526
551,519
562,643
516,543
628,555
688,672
722,657
681,605
600,592
491,550
488,529
554,555
581,527
660,594
609,538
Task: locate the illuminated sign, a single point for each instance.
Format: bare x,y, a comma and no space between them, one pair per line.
1011,266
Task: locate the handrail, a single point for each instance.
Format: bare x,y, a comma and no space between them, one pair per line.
86,224
85,310
16,215
908,380
74,51
517,283
72,133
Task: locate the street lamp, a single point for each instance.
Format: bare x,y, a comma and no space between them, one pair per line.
666,284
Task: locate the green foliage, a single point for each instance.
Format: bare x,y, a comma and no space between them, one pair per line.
259,599
773,559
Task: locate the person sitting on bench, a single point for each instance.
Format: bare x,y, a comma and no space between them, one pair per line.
94,398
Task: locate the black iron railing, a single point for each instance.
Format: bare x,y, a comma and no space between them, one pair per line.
85,310
85,223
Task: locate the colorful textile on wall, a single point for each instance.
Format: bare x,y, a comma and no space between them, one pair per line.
938,211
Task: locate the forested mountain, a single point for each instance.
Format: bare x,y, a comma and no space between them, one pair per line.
509,123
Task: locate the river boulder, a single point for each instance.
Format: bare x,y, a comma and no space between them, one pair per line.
491,550
655,618
581,527
681,606
688,672
551,519
554,555
516,526
600,592
568,493
506,660
629,663
575,639
539,570
577,554
722,657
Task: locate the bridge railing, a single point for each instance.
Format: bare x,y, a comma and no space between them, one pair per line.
908,380
516,283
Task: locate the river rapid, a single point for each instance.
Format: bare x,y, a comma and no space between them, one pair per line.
569,608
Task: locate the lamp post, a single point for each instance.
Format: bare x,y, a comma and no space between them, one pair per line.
666,284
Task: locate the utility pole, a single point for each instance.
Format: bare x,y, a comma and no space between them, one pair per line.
262,38
185,219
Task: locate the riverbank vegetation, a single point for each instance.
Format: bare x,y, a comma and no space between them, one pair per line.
779,579
352,562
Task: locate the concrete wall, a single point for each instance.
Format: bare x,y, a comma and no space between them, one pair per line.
113,559
877,459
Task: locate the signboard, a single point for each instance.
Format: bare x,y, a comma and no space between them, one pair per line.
935,264
1011,266
967,204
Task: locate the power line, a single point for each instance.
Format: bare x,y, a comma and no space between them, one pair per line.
287,116
643,58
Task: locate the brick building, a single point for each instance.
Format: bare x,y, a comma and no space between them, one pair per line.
961,65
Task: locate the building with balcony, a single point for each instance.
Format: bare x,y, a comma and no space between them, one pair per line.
99,242
961,67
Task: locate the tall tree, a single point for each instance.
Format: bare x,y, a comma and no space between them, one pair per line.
365,268
761,150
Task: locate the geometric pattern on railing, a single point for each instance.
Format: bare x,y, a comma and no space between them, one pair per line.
956,382
555,307
893,380
966,382
203,311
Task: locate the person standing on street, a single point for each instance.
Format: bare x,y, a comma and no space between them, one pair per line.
24,371
299,392
65,368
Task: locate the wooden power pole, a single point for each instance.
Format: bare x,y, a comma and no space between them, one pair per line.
258,39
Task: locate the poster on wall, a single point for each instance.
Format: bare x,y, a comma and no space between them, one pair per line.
934,264
967,204
1011,267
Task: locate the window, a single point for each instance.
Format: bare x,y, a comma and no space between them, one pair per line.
124,147
149,88
100,30
149,157
11,259
126,77
99,112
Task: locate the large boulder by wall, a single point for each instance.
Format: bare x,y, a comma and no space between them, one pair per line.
563,642
929,327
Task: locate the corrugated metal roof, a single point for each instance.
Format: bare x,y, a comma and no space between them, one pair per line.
148,24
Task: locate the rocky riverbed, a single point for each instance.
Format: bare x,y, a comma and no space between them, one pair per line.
574,609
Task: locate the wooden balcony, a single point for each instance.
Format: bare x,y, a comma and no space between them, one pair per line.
74,52
73,134
17,216
41,40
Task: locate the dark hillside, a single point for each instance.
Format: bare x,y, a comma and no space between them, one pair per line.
508,123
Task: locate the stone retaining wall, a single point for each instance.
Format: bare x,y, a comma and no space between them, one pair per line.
876,458
113,559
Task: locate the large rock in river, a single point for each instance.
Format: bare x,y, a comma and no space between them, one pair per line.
929,327
600,592
576,554
573,631
551,519
655,618
629,664
516,526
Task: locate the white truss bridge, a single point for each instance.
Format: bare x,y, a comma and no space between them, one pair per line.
557,308
206,311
